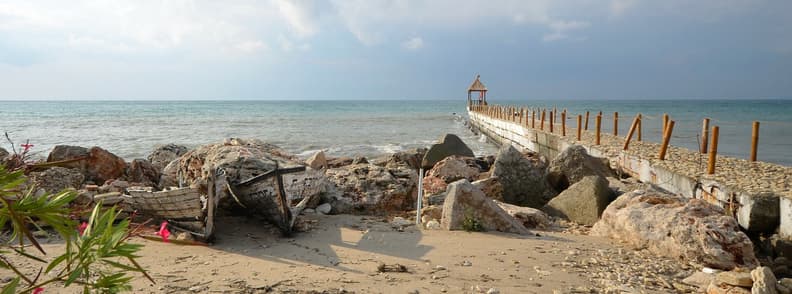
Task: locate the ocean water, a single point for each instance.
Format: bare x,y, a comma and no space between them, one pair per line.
132,129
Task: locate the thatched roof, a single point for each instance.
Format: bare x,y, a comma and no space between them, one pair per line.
477,85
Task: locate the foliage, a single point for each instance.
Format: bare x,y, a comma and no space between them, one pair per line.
471,223
97,255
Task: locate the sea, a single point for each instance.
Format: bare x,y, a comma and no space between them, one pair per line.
132,129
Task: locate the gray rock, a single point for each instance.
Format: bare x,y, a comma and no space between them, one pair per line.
699,279
411,158
466,202
317,161
785,284
735,278
764,282
522,178
491,187
583,202
368,188
324,208
164,154
677,227
573,164
529,217
55,179
141,171
436,199
449,145
759,213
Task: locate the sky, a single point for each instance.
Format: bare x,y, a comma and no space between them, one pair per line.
380,49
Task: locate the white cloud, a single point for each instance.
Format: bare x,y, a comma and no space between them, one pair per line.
413,44
619,7
297,17
560,30
251,46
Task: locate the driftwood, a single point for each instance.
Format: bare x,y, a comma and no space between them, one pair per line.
392,268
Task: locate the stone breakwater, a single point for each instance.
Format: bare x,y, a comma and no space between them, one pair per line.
758,194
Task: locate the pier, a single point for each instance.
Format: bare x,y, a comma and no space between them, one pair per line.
757,194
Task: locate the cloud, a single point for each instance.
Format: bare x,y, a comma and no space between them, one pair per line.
560,30
413,44
619,7
251,46
297,16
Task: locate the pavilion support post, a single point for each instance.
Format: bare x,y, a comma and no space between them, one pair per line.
552,115
533,119
640,124
587,119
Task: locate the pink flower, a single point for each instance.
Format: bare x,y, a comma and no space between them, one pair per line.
163,231
38,291
81,228
27,147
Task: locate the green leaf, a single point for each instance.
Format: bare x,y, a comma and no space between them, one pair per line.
72,277
11,287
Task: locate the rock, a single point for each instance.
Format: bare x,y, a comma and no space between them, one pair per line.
677,227
114,186
3,153
583,202
400,222
786,282
339,162
491,187
764,281
779,246
143,172
184,236
714,288
699,279
436,199
759,213
317,161
447,171
164,154
449,145
433,225
522,178
55,179
466,202
529,217
735,278
573,164
432,212
360,160
411,158
493,291
367,188
170,175
783,289
98,165
324,208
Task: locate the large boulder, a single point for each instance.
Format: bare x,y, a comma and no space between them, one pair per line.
449,145
371,189
55,179
522,178
98,165
677,227
164,154
583,202
466,204
491,187
141,171
573,164
447,171
411,158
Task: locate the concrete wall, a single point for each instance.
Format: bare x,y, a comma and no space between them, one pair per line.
750,214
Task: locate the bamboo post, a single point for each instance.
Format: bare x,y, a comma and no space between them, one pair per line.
704,135
541,125
713,150
754,140
640,124
563,123
586,126
552,115
615,124
634,126
580,120
666,139
598,124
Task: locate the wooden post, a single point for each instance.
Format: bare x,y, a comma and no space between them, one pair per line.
598,124
754,140
666,139
563,123
665,124
704,135
640,124
586,126
713,151
552,115
533,119
634,126
541,125
616,124
580,120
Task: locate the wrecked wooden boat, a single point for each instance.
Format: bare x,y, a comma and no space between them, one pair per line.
264,195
